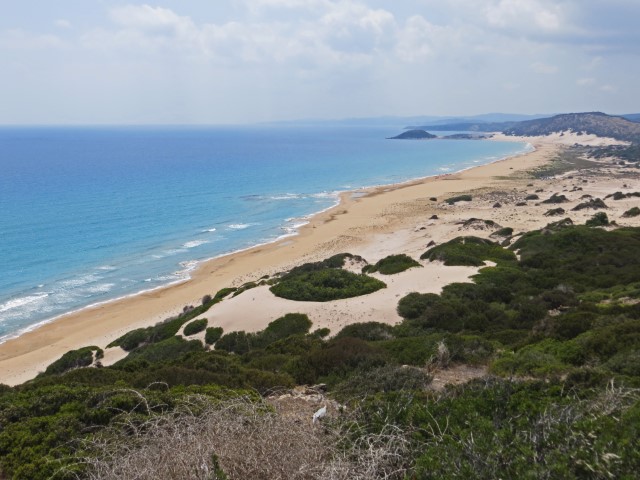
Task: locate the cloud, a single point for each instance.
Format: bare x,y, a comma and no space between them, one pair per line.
62,23
17,39
586,82
543,68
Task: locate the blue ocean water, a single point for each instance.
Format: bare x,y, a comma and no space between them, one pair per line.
92,214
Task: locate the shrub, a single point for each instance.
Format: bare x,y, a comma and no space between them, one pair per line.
222,293
554,212
169,349
459,198
632,212
325,285
369,331
195,327
471,251
283,327
556,198
533,196
83,357
594,203
389,378
235,342
414,304
392,264
600,219
503,232
212,335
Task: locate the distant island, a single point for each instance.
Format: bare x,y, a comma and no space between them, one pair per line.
419,134
416,134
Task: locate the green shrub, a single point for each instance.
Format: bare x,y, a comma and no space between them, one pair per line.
336,360
503,232
415,304
235,342
212,335
325,285
556,198
392,264
470,251
632,212
224,292
83,357
389,378
195,327
369,331
289,324
459,198
165,350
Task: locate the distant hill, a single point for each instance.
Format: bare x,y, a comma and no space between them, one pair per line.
485,127
595,123
414,135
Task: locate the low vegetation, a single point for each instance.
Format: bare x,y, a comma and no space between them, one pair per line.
632,212
194,327
392,264
558,327
459,198
324,281
469,251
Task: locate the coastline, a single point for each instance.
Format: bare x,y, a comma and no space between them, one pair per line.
376,221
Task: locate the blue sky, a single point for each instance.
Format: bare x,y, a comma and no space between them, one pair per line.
239,61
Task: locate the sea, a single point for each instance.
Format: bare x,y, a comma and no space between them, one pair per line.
91,214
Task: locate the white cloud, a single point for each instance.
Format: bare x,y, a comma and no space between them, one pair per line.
544,68
17,39
62,23
586,82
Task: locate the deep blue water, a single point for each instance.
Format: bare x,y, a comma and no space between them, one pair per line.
92,214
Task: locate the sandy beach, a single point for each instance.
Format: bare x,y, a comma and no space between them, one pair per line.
372,223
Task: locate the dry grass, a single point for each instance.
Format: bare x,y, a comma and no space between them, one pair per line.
245,440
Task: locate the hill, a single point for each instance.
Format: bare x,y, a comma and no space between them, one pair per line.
416,134
595,123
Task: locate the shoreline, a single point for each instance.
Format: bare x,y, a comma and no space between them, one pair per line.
22,357
289,233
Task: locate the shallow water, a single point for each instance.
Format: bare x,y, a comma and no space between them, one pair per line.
92,214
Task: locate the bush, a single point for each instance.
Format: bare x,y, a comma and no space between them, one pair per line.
594,203
285,326
470,251
459,198
503,232
169,349
392,264
554,212
212,335
235,342
325,285
600,219
556,198
83,357
632,212
195,327
369,331
415,304
389,378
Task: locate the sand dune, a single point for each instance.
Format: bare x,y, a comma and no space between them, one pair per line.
373,223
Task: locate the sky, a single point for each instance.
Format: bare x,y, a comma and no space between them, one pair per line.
246,61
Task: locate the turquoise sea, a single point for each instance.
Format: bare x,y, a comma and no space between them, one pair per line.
92,214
